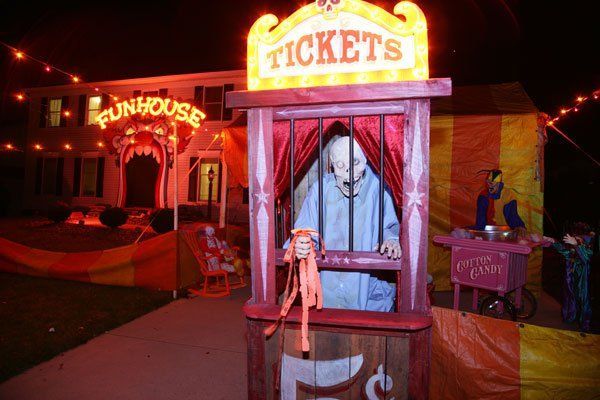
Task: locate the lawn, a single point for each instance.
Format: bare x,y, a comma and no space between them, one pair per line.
41,318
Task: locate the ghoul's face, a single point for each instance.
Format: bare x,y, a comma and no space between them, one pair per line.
340,159
329,8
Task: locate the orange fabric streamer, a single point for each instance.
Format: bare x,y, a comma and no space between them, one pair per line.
305,280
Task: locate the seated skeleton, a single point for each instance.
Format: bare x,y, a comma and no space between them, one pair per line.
351,290
218,255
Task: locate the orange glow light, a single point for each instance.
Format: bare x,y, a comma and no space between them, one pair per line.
9,146
47,68
19,55
75,79
20,96
100,144
67,113
67,147
38,147
563,111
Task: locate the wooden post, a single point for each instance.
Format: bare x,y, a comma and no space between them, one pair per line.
224,183
261,204
415,206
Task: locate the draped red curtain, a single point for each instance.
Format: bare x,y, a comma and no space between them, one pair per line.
306,148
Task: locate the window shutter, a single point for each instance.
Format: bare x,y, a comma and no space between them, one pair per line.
105,100
193,180
39,170
100,177
137,93
227,112
60,166
64,106
199,95
44,113
163,93
77,177
81,110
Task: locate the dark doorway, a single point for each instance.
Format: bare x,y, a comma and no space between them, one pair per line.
141,174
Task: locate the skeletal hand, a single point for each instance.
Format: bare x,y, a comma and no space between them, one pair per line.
302,247
570,240
392,247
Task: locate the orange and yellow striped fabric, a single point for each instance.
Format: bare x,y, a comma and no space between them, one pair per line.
475,357
164,262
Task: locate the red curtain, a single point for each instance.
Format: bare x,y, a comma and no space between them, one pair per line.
306,148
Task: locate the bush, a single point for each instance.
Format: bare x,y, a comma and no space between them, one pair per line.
59,212
82,209
113,217
162,220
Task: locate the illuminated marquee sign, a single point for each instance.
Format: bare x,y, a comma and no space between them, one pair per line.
155,106
335,42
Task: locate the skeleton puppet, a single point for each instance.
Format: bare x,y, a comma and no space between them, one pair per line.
351,290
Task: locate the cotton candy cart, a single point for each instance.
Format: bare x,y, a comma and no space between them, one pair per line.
493,266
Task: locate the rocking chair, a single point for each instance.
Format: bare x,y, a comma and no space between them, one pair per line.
217,289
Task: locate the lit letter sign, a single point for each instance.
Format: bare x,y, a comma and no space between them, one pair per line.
338,42
154,106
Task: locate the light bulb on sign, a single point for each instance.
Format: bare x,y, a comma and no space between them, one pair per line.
67,147
100,144
38,147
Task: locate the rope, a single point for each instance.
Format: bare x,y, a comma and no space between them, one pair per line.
303,278
568,139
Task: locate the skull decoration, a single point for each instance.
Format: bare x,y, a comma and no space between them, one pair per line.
339,156
330,8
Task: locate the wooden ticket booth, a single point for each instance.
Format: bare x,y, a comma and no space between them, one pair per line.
354,66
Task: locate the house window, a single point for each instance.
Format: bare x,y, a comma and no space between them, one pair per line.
49,176
212,99
94,107
205,165
54,112
88,176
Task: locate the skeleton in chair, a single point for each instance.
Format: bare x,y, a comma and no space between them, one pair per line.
214,251
351,290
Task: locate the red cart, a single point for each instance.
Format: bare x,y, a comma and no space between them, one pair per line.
499,267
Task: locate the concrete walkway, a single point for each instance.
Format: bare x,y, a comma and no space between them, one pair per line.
189,349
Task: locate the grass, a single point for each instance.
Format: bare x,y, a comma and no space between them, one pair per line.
42,318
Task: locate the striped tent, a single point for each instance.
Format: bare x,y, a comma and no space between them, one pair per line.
483,127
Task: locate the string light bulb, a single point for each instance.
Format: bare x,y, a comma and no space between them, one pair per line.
20,96
100,144
67,146
47,68
38,147
75,78
9,146
67,113
19,55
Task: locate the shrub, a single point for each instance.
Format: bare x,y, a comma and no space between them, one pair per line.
162,220
113,217
59,212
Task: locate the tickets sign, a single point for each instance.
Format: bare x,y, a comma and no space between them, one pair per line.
336,42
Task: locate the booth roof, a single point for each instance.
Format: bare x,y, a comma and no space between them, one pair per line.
504,98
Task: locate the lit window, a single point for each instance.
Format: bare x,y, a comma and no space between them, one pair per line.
54,112
88,176
49,176
205,167
94,107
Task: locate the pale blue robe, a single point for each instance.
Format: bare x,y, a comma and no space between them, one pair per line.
352,290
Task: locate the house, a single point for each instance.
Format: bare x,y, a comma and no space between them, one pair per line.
69,158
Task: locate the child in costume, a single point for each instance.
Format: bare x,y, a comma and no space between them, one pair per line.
576,248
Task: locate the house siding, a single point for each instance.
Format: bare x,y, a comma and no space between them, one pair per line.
84,139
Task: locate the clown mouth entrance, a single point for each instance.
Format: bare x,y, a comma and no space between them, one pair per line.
141,171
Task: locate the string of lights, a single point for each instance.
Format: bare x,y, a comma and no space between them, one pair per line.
580,101
47,67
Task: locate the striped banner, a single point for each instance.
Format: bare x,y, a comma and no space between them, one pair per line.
475,357
164,262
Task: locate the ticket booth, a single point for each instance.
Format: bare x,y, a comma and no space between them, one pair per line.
343,67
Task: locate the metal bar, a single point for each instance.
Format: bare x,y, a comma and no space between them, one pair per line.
381,173
320,177
292,143
351,177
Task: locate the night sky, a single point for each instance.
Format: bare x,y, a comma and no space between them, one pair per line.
549,46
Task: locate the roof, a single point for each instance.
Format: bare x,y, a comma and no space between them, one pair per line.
504,98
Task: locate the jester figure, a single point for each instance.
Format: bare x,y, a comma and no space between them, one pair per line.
493,192
576,248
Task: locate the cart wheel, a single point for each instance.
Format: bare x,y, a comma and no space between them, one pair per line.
489,308
528,304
